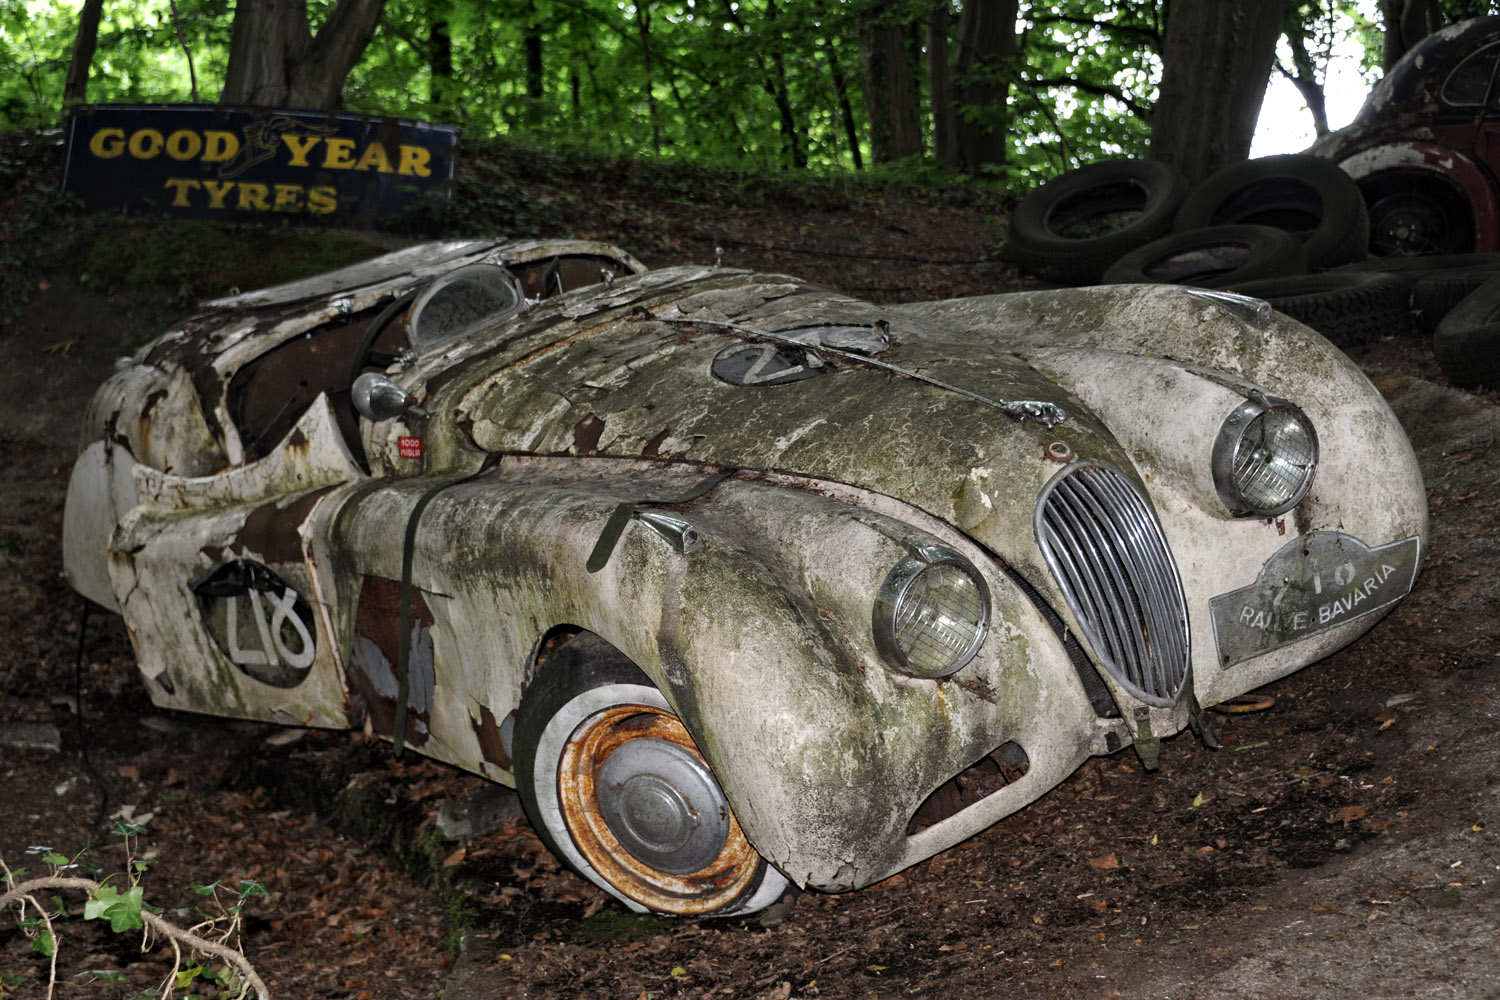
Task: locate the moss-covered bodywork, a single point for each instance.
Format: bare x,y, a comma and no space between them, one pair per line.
716,472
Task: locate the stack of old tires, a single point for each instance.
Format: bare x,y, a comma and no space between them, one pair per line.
1292,230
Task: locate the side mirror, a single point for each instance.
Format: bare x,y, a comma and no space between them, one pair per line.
376,397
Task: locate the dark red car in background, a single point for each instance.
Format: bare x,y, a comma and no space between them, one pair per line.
1425,147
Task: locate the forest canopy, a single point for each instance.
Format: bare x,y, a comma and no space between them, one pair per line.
993,88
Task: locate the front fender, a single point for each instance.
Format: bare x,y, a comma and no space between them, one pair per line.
761,642
826,751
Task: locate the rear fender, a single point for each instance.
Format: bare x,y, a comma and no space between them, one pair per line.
1441,163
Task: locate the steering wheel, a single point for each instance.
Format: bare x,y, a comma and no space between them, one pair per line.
365,356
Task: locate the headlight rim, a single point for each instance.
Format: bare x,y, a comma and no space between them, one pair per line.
1232,431
898,583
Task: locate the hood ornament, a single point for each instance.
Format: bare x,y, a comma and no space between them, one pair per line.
1049,415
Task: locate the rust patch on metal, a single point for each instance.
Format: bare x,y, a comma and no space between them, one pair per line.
487,732
711,888
653,447
587,434
372,660
271,530
269,394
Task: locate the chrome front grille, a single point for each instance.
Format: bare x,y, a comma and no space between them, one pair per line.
1107,553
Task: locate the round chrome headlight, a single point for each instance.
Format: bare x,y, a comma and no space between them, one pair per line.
931,614
1264,458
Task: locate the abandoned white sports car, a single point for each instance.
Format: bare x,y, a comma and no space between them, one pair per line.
739,580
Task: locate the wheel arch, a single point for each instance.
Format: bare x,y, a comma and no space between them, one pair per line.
1432,163
617,787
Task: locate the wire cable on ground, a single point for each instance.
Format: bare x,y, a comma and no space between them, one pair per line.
83,743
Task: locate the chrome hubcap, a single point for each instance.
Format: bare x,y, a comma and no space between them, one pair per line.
663,806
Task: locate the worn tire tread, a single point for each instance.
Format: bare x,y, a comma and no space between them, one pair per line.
1272,253
1349,309
1342,233
1467,341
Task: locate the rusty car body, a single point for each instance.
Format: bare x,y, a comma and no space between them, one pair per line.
1425,146
738,579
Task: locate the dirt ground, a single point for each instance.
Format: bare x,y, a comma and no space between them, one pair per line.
1342,842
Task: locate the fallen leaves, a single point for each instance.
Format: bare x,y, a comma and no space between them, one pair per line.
1348,814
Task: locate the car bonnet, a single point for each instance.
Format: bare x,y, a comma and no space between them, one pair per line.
745,371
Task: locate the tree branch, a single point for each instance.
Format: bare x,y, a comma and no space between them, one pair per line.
1102,90
161,926
1141,34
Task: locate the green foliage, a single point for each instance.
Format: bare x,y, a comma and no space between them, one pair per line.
35,47
123,911
42,940
1087,79
750,85
747,86
119,901
11,981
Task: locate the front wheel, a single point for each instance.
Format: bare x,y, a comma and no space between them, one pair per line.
616,787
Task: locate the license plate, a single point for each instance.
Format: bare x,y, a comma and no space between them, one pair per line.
1315,583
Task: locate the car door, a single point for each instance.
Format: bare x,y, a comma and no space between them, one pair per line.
220,584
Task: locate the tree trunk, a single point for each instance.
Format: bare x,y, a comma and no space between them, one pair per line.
846,110
75,87
890,93
1407,22
440,66
1304,76
643,27
773,81
940,88
776,83
276,61
1216,61
981,74
535,80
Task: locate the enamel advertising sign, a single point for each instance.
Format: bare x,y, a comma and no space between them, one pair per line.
206,162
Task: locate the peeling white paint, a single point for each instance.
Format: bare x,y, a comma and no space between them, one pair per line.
783,443
761,640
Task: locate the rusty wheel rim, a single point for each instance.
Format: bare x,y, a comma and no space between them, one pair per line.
645,812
